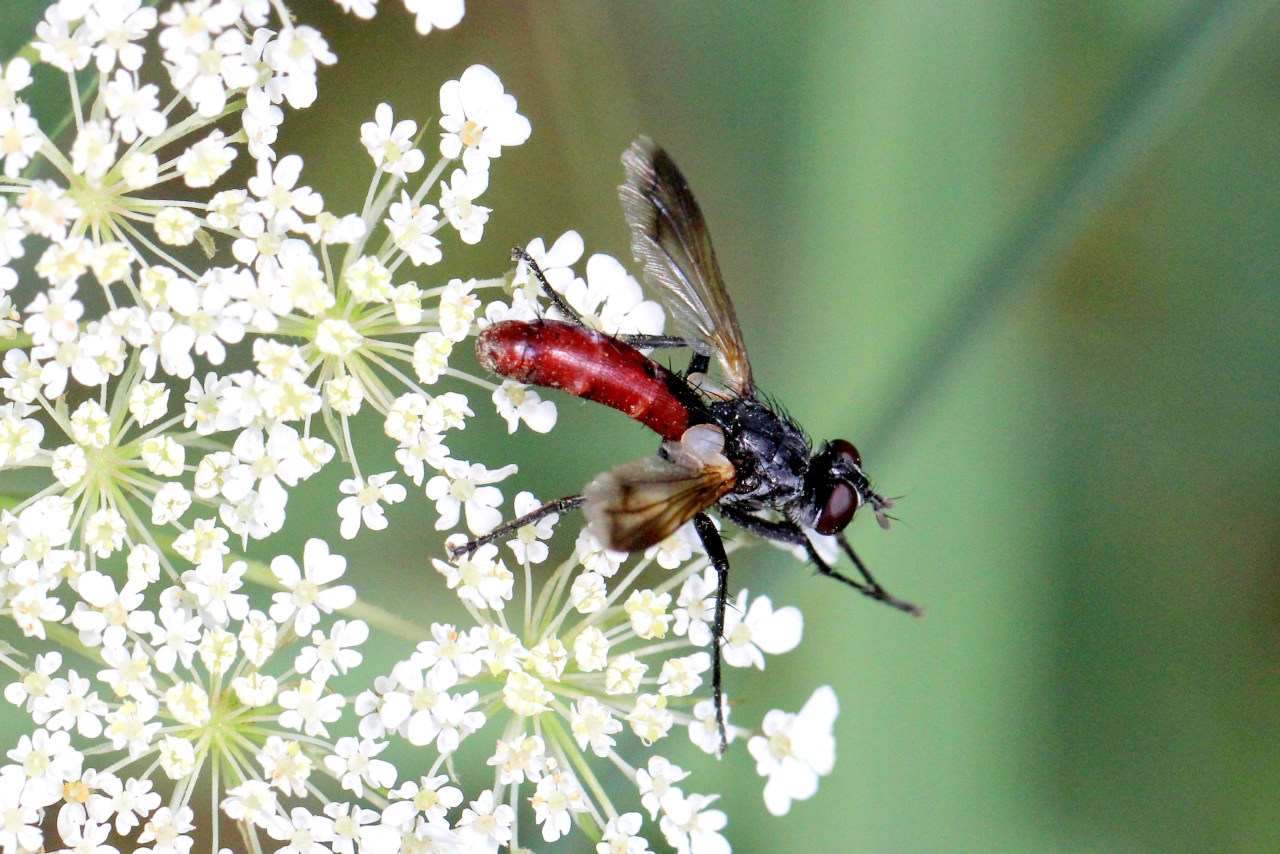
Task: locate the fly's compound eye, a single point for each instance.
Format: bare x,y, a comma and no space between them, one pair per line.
847,452
838,512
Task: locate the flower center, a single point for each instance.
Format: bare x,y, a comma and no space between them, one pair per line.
11,142
305,593
210,63
36,764
369,495
463,489
471,134
780,745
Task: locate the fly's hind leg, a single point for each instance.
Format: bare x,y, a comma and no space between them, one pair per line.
560,505
518,254
720,561
700,361
788,532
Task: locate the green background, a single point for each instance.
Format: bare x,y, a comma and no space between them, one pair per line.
1025,255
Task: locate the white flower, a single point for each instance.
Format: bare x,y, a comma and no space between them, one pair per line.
648,613
306,597
527,543
214,589
252,801
428,797
69,703
304,833
21,828
365,502
166,831
623,674
133,107
676,549
593,724
34,683
611,300
465,486
333,654
294,55
556,264
413,227
279,200
650,719
704,729
129,801
19,139
354,825
16,77
796,750
353,763
122,24
525,694
105,615
478,579
285,765
457,309
308,708
622,836
486,824
517,402
391,147
457,201
762,629
206,161
680,677
691,828
557,798
524,757
60,46
656,784
48,760
591,650
440,14
695,609
201,69
594,557
479,119
86,837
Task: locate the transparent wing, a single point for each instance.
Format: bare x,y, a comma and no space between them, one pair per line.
645,501
669,238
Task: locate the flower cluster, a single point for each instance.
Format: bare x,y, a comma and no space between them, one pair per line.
133,272
594,658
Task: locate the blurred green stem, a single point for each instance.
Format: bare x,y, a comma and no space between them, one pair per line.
1171,78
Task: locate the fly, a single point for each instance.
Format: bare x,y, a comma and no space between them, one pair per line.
724,447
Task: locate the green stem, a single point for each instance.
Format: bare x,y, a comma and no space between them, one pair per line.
1162,87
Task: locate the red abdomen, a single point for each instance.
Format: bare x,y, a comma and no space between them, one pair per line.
586,364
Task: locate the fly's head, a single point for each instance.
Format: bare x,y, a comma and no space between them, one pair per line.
836,487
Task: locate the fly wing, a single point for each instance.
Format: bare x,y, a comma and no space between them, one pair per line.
669,238
643,502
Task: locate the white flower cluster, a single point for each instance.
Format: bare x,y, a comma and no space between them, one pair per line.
131,272
91,393
592,655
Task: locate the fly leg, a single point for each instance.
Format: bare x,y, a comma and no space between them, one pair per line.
518,254
788,532
871,587
640,342
560,505
715,551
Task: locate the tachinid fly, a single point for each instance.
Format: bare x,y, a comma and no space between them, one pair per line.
723,446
